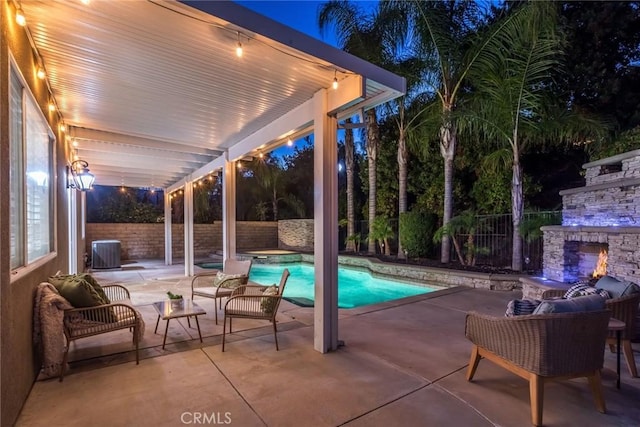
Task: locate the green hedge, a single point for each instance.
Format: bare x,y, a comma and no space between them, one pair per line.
416,232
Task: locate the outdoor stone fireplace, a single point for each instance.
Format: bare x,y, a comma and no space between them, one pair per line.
602,216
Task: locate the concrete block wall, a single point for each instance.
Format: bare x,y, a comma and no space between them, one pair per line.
146,241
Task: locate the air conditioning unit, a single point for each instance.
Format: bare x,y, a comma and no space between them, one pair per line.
105,254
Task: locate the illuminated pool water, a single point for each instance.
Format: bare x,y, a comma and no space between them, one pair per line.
355,288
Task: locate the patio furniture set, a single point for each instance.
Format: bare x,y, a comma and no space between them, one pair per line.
559,338
79,307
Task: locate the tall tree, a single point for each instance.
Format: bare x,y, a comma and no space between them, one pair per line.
443,34
349,166
361,34
602,74
513,104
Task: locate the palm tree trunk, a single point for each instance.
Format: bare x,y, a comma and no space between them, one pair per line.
372,154
517,204
448,150
274,204
348,159
402,182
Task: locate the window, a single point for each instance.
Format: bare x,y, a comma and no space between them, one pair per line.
31,151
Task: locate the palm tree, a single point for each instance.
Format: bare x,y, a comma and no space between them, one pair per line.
514,107
363,35
407,112
348,160
444,34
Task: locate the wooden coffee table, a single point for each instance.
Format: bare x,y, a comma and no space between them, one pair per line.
167,311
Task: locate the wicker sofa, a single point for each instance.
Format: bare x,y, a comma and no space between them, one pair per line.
624,309
89,321
542,347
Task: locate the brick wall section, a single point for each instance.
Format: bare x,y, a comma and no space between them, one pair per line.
146,241
295,234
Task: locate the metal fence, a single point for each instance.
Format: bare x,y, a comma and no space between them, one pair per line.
493,239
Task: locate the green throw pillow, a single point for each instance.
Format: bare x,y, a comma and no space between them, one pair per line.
82,290
267,305
59,280
228,280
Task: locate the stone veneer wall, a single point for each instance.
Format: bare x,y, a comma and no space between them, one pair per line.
428,276
560,251
146,241
608,199
296,234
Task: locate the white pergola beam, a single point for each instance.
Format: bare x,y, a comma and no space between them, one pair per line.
95,146
118,138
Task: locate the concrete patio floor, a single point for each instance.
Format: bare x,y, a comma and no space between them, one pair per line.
403,364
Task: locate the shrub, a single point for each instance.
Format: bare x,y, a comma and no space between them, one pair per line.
416,231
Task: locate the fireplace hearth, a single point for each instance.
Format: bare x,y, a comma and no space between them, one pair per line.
602,215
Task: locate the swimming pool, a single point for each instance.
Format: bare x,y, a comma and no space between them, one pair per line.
355,288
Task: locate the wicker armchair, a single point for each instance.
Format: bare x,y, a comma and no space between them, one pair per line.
89,321
541,347
624,309
252,302
203,284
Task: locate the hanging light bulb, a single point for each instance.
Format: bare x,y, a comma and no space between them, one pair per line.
20,19
289,142
239,47
261,155
239,164
41,73
335,80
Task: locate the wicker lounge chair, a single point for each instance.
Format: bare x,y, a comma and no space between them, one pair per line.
252,302
89,321
624,309
205,285
542,347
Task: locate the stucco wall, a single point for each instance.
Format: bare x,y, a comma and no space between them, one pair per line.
146,241
18,366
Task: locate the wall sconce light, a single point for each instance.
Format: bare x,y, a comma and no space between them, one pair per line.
79,177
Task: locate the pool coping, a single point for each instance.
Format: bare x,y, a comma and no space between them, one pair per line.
433,277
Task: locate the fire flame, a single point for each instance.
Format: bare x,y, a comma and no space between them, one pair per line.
601,266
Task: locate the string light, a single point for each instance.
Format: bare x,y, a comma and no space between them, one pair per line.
239,47
41,73
74,142
20,19
62,128
239,164
290,142
335,80
261,155
85,2
52,107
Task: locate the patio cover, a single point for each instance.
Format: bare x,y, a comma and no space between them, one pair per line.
154,96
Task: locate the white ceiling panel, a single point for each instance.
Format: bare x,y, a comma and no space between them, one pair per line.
153,90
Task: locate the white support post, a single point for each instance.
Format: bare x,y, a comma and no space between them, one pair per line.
325,183
72,212
168,251
188,228
229,210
